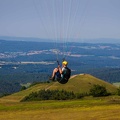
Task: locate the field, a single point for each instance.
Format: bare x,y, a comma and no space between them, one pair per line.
88,108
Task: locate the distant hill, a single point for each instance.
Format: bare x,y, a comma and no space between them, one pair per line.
96,40
79,83
110,75
10,38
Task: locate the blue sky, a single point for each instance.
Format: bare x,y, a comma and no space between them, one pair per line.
60,19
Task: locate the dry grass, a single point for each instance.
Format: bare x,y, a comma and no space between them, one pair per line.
111,112
107,108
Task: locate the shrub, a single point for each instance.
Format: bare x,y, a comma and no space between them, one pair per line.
23,88
51,95
98,91
118,91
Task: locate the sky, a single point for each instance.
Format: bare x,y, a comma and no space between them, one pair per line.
60,19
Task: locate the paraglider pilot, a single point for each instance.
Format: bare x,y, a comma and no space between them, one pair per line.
61,74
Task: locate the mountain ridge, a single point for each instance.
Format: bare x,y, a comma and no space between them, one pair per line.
85,40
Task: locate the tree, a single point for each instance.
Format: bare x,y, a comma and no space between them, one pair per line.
98,91
23,88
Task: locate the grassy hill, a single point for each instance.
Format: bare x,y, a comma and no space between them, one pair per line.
79,83
87,108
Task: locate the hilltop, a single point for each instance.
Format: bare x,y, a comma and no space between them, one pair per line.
80,83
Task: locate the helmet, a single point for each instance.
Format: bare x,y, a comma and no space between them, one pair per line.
65,62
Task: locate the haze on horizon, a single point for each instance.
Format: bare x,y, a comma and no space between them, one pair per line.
60,19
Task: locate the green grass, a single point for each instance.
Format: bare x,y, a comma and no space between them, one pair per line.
8,106
78,84
88,108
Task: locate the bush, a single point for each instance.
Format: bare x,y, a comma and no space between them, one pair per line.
118,91
51,95
23,88
98,91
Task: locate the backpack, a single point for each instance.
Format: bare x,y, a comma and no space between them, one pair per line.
66,73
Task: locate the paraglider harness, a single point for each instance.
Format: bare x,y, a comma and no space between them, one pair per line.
66,73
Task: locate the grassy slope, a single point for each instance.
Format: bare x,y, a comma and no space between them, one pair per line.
80,83
88,108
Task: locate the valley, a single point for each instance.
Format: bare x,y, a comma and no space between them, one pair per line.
23,62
